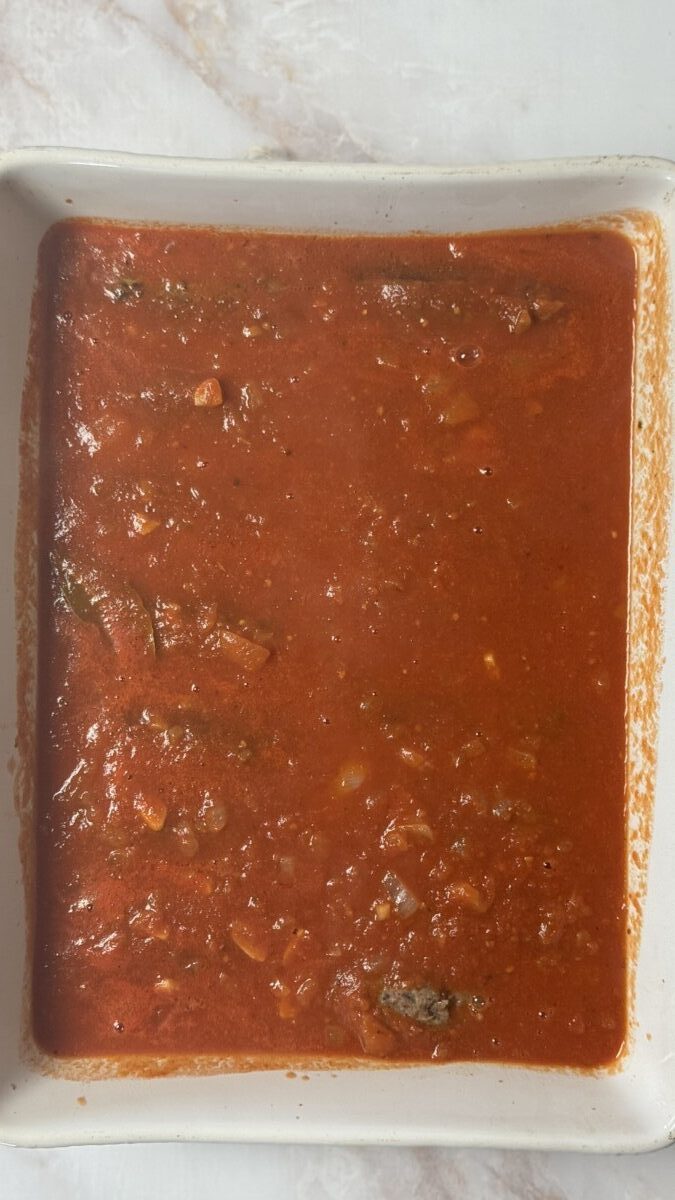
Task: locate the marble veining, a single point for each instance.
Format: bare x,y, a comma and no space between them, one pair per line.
437,81
381,80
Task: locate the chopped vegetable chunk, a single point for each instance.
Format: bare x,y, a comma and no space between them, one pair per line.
240,650
208,394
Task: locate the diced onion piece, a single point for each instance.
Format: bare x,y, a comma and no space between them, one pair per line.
468,896
400,832
187,839
295,944
520,321
215,817
473,748
394,838
405,902
166,985
287,1004
143,524
152,812
255,944
376,1040
544,309
503,808
212,815
208,394
240,650
154,719
149,923
351,777
418,830
76,594
413,758
146,489
458,409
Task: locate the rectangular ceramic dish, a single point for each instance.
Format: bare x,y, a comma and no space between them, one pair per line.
629,1107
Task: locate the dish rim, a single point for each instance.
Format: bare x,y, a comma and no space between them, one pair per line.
527,171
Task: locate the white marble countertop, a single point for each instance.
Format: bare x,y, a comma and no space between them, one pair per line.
438,81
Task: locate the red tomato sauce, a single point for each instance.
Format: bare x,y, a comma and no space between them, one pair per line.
333,569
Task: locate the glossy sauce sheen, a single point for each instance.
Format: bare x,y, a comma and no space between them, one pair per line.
332,674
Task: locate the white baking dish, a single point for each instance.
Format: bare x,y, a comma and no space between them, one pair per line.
628,1108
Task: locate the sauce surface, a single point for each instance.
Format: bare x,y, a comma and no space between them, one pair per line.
333,570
